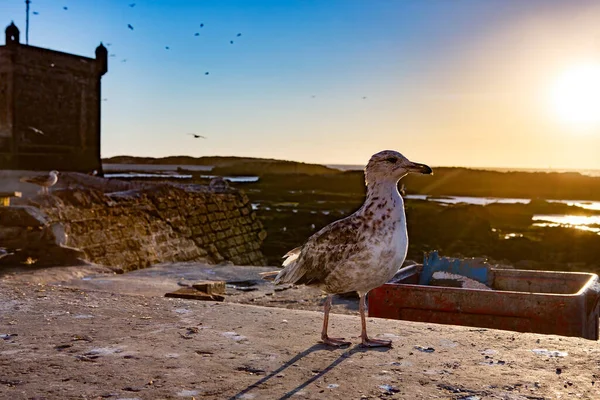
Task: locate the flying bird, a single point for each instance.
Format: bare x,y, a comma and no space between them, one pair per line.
36,130
206,73
44,181
124,60
362,251
196,34
113,55
129,26
231,41
364,97
167,47
36,13
65,8
132,5
201,25
196,136
239,34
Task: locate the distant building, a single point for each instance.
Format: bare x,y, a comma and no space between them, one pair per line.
49,107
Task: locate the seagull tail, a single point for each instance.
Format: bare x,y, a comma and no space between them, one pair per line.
289,272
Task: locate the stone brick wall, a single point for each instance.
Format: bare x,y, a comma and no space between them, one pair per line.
136,228
59,94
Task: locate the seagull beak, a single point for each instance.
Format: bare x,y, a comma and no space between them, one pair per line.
420,168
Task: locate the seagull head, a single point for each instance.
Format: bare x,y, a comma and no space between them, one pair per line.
389,165
54,173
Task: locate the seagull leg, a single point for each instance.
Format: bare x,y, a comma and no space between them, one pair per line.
337,342
363,334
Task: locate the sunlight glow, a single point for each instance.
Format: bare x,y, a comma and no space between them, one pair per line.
576,95
584,223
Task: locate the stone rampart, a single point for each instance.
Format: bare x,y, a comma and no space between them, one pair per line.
135,228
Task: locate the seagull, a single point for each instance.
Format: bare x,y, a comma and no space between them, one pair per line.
36,130
167,47
196,136
206,73
65,8
36,13
132,5
44,181
201,25
362,251
197,34
231,41
239,34
129,26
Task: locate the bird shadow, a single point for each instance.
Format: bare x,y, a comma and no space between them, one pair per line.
317,347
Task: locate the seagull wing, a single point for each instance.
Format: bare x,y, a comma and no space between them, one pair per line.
327,249
36,180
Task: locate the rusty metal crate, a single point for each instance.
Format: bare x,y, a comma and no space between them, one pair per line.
560,303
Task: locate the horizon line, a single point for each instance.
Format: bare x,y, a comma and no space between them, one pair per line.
361,166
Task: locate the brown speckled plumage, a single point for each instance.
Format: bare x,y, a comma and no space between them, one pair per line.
363,250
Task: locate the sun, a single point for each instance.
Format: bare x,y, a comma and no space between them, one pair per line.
575,95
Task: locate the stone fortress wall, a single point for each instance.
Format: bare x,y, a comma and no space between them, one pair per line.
128,226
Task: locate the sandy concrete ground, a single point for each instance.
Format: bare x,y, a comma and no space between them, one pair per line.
244,283
61,342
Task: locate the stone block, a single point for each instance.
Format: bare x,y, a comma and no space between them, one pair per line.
210,287
225,224
191,293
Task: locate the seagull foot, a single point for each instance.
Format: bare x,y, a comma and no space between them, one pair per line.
335,342
366,342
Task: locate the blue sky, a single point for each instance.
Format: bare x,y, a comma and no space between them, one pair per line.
423,66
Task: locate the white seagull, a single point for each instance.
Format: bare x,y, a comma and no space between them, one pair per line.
44,181
362,251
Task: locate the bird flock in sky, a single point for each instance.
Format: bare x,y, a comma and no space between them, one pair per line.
131,28
168,48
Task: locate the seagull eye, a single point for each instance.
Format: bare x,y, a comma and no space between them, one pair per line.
391,160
